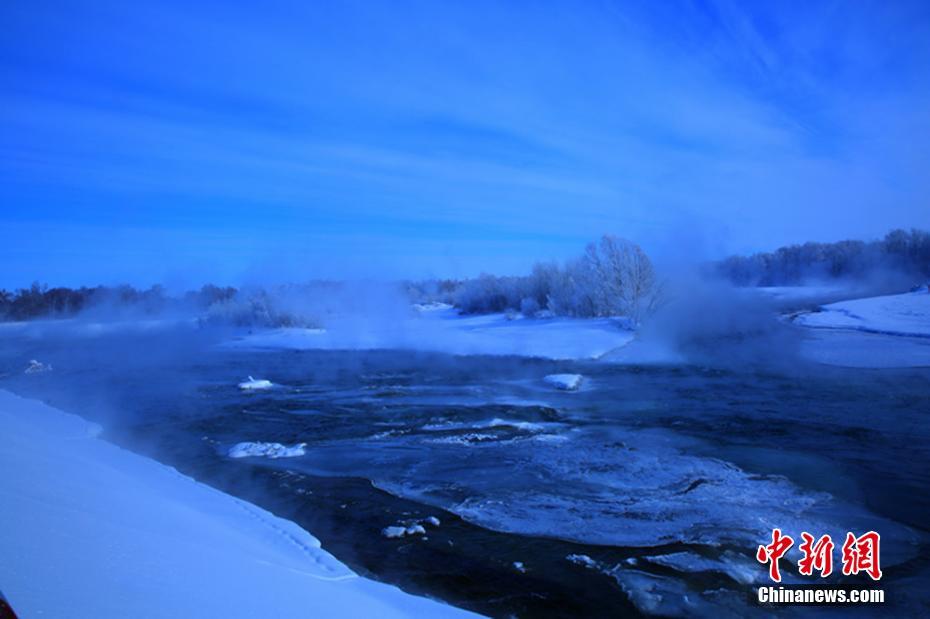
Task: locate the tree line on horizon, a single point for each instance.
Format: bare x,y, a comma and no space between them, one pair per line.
613,277
902,252
39,300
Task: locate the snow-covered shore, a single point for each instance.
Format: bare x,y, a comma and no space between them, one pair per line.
443,330
90,530
876,332
899,314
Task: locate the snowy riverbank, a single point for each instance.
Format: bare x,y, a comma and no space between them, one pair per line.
91,530
444,330
905,314
876,332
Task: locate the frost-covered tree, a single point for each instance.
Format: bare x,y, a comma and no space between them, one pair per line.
619,277
614,277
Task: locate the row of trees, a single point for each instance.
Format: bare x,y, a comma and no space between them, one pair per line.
906,252
614,277
283,306
39,300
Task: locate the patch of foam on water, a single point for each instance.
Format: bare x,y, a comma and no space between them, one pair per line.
527,426
469,438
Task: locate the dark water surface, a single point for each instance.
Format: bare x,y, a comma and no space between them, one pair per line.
666,477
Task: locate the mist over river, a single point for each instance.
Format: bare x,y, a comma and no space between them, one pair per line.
646,491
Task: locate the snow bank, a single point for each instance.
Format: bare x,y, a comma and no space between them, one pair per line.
90,530
255,385
565,382
899,314
443,330
266,450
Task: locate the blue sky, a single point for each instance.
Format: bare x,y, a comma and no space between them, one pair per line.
182,142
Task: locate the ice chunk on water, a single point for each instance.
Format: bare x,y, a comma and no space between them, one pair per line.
657,595
741,569
393,532
37,367
267,450
403,530
583,560
564,382
255,385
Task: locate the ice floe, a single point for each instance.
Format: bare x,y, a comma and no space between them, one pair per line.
409,528
251,449
253,384
37,367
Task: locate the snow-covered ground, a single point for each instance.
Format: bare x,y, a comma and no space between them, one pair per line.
876,332
898,314
441,329
90,530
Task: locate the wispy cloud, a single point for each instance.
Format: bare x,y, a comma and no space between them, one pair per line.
460,129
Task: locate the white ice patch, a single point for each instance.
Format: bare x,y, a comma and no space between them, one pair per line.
37,367
527,426
266,450
255,385
564,382
409,528
742,570
583,560
657,595
393,532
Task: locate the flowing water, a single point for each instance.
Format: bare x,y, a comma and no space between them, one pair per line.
645,492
